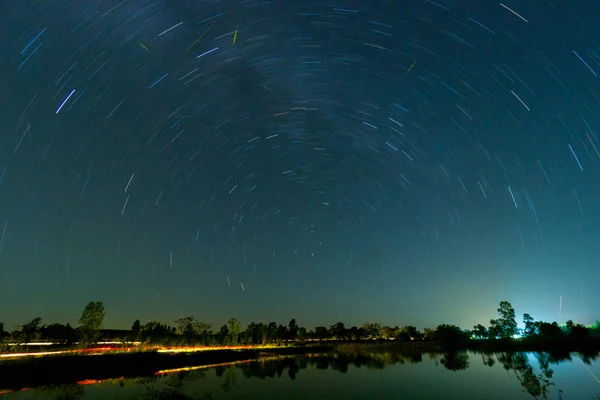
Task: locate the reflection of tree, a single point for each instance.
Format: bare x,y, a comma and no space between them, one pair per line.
63,392
230,378
588,357
455,361
488,359
535,385
271,368
175,383
180,379
170,393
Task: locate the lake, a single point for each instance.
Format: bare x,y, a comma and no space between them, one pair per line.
372,375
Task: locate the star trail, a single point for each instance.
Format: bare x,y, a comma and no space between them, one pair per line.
405,162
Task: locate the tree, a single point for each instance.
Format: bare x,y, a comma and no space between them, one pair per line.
530,326
577,330
30,329
388,332
156,333
550,330
372,330
186,326
429,333
506,326
302,335
293,329
234,329
321,332
136,330
480,332
59,333
90,322
412,332
338,331
450,337
223,335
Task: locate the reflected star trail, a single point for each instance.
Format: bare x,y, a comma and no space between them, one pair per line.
407,162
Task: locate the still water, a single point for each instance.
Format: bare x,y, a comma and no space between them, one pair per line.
360,376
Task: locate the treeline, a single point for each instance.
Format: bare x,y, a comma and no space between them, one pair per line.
88,331
192,331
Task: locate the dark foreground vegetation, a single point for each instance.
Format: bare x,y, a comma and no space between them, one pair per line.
501,333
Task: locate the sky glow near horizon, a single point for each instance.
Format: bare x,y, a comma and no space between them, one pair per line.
408,163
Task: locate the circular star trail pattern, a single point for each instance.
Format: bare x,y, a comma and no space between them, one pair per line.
411,162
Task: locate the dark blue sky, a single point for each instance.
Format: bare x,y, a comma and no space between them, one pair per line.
406,162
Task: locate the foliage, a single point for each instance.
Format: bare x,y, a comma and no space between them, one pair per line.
479,332
450,336
504,327
192,331
136,329
455,361
90,322
530,325
536,385
234,328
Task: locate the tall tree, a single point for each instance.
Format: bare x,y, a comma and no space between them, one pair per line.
372,330
223,335
480,332
338,331
293,329
530,326
321,332
507,324
59,333
90,322
234,329
31,328
186,326
302,335
136,330
412,332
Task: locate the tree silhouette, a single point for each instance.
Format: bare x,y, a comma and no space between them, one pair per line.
136,329
30,329
338,330
90,322
530,326
480,331
293,329
455,361
506,326
450,336
234,329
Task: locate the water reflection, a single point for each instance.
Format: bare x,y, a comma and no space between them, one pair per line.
62,392
533,372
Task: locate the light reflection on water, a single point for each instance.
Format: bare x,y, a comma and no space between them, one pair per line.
376,375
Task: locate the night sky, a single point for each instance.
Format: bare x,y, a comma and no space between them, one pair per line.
405,162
